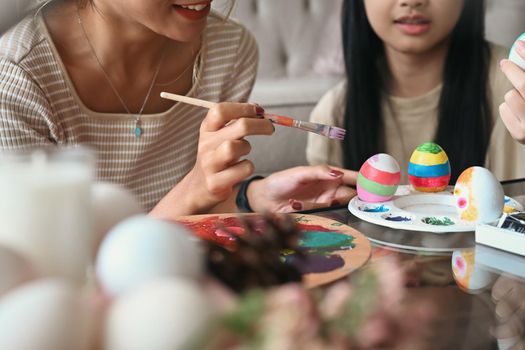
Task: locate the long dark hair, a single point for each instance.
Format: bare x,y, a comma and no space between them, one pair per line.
464,108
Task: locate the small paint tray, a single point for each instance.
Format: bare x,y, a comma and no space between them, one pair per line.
417,211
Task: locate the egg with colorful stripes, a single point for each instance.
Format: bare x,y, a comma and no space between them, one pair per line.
378,178
428,168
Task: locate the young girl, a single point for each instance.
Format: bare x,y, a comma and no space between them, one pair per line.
512,111
90,72
417,71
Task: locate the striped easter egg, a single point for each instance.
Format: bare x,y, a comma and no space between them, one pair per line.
429,169
378,178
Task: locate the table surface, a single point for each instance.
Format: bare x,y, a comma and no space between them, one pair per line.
483,309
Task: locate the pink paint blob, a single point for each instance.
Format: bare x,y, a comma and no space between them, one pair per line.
462,202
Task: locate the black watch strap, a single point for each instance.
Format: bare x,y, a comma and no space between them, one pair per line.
242,199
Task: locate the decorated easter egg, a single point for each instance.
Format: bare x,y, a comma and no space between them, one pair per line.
47,314
478,195
162,314
378,178
428,168
141,248
469,276
514,56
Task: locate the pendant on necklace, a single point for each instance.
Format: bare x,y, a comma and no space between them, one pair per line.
138,129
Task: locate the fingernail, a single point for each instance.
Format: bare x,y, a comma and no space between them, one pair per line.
259,110
502,62
297,205
336,173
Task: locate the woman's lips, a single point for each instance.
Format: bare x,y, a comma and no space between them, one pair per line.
414,25
195,13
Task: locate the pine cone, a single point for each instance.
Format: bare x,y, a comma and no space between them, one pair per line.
257,261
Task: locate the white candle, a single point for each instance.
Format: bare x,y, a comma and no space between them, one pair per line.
45,211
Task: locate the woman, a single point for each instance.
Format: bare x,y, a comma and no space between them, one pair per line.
90,72
418,70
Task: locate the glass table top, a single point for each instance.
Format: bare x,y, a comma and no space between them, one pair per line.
473,295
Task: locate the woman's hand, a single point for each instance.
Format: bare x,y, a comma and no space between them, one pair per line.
512,111
302,188
218,167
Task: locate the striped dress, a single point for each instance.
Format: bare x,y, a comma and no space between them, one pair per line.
40,107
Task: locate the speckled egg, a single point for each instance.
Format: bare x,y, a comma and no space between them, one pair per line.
478,195
378,178
428,168
514,56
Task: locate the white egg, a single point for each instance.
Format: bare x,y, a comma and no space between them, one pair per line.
479,196
45,315
141,248
112,203
14,269
166,314
514,56
470,277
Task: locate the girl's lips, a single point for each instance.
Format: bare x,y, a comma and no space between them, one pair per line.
413,29
193,15
413,25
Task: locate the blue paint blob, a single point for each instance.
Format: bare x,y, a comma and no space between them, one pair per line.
325,241
398,218
374,209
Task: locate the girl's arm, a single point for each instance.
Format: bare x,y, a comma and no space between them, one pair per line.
512,111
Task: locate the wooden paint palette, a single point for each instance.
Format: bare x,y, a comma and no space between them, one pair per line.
333,249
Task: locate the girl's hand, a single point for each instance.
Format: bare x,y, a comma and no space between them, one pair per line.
512,111
302,188
218,167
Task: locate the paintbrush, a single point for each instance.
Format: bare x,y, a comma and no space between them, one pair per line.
320,129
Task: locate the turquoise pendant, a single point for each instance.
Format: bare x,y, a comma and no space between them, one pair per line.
138,129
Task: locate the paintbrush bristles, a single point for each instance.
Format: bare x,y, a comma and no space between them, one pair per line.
336,133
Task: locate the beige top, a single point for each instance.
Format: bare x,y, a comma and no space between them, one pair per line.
39,106
417,120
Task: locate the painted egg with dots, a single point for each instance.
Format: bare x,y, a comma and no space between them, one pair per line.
478,196
429,168
514,55
378,178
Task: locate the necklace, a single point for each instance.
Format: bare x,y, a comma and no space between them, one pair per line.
138,128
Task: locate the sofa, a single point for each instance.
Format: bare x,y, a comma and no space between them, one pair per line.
301,58
295,68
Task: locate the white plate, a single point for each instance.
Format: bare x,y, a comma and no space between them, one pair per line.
417,211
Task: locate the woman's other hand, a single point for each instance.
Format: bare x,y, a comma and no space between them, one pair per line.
218,167
512,111
302,188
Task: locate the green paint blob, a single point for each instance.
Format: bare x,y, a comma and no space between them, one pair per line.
319,240
429,147
438,222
